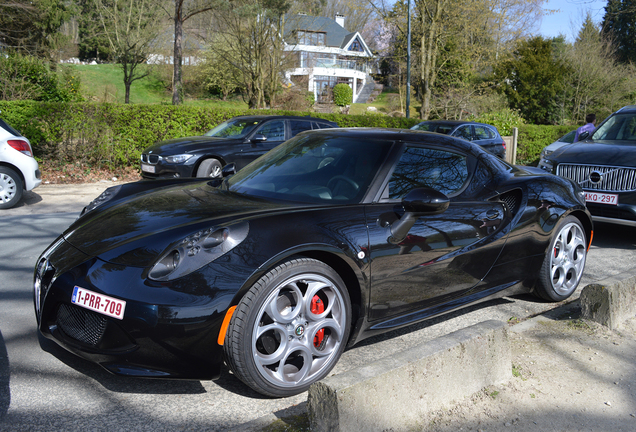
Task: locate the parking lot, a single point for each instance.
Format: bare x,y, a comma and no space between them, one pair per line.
42,387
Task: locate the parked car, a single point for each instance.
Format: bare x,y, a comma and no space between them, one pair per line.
334,236
19,171
239,140
481,134
568,138
604,165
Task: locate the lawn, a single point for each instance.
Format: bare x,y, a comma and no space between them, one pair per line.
105,83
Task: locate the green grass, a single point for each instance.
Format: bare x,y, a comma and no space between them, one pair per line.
105,83
385,105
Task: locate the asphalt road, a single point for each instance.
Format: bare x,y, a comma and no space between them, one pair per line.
42,387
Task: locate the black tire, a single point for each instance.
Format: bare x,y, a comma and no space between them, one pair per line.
11,188
564,262
210,168
274,324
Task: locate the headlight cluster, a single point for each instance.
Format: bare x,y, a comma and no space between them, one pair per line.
177,158
104,197
197,250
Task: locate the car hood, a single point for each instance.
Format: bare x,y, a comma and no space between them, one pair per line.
597,153
138,229
188,145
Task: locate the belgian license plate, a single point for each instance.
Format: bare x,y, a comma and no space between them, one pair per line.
98,302
148,168
602,198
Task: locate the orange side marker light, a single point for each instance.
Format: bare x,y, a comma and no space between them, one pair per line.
591,237
225,325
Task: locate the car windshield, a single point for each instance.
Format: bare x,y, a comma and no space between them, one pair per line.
619,127
313,168
442,128
235,128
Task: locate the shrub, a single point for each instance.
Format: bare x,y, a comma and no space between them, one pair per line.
342,95
504,120
533,138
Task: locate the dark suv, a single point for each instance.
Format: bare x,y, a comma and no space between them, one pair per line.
604,165
239,140
484,135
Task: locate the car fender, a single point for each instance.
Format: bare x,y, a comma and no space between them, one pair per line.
352,270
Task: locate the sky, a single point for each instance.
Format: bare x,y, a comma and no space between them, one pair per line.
570,17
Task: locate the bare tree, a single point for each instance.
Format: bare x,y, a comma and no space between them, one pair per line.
183,11
130,28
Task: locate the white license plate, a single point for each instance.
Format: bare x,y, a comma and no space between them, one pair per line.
98,302
602,198
148,168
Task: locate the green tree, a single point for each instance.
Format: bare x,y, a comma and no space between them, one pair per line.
619,23
93,42
130,27
533,79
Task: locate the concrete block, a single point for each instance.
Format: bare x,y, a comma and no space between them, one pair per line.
612,301
397,392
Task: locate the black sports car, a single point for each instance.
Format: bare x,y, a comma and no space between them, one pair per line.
332,237
239,140
604,165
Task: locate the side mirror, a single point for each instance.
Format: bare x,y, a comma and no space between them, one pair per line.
228,170
258,138
584,136
418,202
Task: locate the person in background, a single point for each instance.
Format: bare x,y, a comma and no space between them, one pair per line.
589,127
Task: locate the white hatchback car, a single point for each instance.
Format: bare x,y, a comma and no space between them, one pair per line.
19,171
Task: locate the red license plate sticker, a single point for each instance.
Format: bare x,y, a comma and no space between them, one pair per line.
602,198
98,302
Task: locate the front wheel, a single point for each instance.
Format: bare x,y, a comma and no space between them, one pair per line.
290,329
10,188
210,168
563,265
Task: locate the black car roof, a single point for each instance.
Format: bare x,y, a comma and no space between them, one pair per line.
282,117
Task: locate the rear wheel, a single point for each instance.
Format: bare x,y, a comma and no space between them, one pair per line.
10,188
290,329
564,263
210,168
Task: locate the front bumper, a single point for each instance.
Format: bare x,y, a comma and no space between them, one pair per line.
174,336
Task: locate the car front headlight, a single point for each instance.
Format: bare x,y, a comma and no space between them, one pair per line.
103,198
177,158
546,164
197,250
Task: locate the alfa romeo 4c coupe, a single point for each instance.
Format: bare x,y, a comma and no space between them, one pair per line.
334,236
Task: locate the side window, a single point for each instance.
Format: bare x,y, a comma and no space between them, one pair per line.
483,132
464,133
322,125
273,131
422,167
298,126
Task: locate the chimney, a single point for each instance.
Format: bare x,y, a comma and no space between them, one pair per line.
340,20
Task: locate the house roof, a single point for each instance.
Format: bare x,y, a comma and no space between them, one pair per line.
336,35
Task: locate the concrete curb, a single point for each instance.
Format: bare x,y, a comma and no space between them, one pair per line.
396,393
612,301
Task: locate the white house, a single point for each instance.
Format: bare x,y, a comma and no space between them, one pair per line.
327,54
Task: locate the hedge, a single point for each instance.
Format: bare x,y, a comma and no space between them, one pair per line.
114,135
533,138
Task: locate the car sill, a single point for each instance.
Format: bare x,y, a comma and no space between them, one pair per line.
614,221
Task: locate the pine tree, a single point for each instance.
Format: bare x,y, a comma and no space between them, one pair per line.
619,23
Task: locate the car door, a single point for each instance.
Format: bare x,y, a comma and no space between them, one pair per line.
464,132
444,255
267,136
485,137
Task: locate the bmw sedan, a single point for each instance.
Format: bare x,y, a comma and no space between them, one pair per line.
481,134
330,238
239,140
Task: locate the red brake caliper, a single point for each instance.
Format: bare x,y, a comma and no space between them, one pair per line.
318,307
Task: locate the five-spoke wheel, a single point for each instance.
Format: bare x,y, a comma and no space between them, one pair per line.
564,263
290,329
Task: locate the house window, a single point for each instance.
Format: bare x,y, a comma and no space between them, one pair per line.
311,38
356,45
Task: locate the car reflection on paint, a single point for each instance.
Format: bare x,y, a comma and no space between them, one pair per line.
332,237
